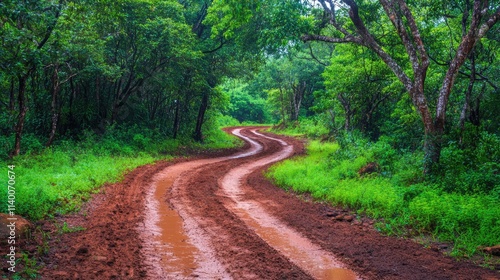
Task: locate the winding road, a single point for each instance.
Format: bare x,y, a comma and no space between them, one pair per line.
183,236
218,217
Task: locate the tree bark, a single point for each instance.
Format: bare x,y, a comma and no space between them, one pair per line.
198,135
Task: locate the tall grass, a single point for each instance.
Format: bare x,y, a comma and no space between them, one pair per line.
396,194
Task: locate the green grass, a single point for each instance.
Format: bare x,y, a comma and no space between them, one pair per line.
306,127
58,180
397,194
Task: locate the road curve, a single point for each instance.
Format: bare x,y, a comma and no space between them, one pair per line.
183,242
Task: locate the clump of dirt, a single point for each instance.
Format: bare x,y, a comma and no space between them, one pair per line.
369,168
494,250
14,227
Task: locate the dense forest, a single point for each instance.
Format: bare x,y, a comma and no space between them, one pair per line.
410,88
74,66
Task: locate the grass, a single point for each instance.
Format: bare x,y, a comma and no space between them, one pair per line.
58,180
397,194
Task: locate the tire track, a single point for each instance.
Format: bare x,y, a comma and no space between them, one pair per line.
308,256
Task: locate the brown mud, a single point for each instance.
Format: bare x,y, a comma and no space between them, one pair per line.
217,217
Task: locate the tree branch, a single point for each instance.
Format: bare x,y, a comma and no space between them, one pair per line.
52,26
494,18
476,32
312,37
218,47
482,78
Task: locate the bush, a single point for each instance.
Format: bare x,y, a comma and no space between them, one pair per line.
310,127
472,168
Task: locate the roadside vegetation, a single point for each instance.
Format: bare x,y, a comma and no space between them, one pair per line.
57,180
458,205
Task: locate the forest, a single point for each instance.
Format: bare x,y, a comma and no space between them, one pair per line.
399,100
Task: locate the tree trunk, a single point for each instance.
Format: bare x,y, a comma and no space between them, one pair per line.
474,115
55,111
282,102
176,119
475,33
12,95
297,96
347,109
23,109
468,94
332,116
198,136
405,25
71,101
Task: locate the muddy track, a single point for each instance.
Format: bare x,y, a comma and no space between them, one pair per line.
217,217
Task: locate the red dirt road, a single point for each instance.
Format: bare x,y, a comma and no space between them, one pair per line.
217,217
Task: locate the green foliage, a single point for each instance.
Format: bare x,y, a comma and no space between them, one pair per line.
276,23
467,220
68,229
244,105
471,168
310,127
359,87
396,193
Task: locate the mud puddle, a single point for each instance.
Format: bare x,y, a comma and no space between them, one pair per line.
170,250
310,257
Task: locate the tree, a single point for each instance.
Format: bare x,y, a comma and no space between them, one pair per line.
400,14
26,27
360,84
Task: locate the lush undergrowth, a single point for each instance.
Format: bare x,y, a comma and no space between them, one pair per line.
460,205
57,180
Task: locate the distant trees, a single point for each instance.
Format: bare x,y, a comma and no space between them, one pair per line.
358,84
26,29
69,66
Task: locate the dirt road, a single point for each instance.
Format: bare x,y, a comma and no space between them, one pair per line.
217,217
